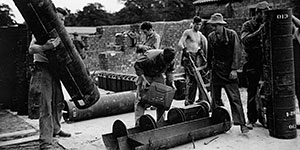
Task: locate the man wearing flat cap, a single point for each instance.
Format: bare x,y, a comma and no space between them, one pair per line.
251,38
224,53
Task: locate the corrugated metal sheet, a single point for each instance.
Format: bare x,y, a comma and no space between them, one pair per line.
81,30
205,1
197,2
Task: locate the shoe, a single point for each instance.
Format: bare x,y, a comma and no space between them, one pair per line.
244,129
62,134
46,146
250,125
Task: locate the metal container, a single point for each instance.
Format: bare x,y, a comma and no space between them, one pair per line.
281,116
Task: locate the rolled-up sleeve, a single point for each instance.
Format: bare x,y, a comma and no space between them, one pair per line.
248,37
139,65
170,73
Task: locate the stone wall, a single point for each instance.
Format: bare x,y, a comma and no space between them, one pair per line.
104,54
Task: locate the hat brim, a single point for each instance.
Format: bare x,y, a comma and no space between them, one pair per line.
216,22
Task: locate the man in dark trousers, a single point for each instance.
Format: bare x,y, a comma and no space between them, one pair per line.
47,89
79,45
194,44
252,40
149,68
224,53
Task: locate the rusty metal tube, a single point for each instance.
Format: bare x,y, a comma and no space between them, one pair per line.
111,104
41,17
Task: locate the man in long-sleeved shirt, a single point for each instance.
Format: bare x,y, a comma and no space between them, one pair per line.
224,52
149,68
252,40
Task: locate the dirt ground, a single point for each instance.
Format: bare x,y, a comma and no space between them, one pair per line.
87,135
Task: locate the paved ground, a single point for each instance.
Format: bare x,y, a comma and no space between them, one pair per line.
87,134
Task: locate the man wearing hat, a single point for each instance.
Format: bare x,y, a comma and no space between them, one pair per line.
224,53
149,68
194,44
251,38
79,45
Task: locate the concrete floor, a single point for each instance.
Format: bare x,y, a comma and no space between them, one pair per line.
87,134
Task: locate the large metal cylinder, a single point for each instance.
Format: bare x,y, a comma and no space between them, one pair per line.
279,53
111,104
41,17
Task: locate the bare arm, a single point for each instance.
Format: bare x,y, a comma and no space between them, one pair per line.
181,42
36,48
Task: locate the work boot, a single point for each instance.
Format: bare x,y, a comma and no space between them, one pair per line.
244,129
250,125
62,134
46,146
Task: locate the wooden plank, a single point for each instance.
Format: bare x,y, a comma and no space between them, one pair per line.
19,141
18,133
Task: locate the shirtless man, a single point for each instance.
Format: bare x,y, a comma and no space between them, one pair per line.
193,43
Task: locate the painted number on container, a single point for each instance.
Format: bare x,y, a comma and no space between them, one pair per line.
282,16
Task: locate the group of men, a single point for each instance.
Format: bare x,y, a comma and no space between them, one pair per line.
220,52
222,57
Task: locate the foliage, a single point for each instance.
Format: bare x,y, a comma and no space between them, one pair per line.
6,15
134,11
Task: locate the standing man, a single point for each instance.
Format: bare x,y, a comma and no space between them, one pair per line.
152,40
252,40
193,43
79,45
149,68
224,52
47,88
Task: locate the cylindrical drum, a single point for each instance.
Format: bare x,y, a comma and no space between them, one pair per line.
110,104
191,112
281,116
41,17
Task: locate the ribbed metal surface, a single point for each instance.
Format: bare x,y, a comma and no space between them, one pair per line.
281,80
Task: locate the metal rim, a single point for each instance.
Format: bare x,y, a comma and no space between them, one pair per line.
147,122
119,129
175,115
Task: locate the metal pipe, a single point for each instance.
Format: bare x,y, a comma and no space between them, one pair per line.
41,17
111,104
